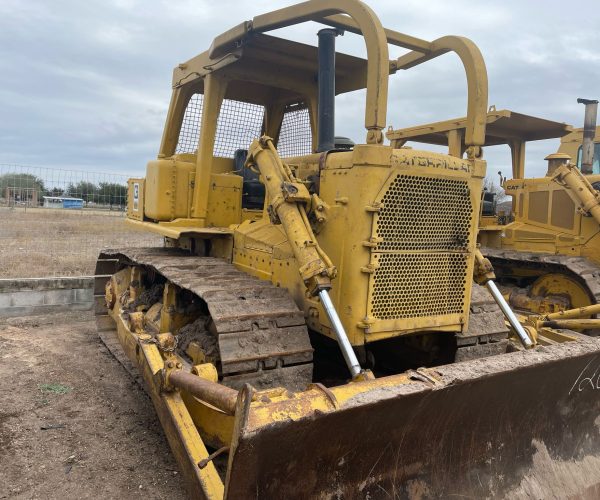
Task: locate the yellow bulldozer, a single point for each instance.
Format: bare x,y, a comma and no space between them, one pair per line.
320,322
549,256
546,250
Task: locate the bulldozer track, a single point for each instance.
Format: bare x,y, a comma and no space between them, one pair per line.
261,334
485,317
487,333
585,270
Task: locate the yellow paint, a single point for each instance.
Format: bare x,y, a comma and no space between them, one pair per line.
174,415
550,216
168,189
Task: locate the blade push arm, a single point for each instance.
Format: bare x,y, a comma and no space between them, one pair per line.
288,198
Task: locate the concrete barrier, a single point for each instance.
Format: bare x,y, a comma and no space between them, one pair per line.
30,296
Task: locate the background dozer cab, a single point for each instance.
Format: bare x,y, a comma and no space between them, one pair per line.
298,332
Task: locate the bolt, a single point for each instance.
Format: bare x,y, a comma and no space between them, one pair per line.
320,208
179,365
170,364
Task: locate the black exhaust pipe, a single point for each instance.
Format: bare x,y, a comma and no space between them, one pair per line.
326,81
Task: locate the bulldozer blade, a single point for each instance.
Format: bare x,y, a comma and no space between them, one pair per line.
519,425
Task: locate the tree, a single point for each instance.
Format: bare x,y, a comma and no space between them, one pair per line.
493,186
111,193
21,187
88,191
55,191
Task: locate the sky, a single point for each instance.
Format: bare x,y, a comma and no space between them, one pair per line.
85,85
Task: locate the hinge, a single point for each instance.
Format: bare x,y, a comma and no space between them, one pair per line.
366,323
375,207
373,242
370,269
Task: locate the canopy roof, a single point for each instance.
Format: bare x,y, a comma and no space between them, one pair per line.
265,64
502,127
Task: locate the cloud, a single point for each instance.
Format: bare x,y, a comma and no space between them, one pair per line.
87,84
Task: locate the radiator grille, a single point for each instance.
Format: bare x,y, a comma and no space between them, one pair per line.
416,285
423,258
424,213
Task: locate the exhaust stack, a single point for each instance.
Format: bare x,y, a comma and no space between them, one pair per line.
326,82
589,130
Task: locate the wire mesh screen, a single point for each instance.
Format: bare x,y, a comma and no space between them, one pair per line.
54,222
238,124
295,138
190,127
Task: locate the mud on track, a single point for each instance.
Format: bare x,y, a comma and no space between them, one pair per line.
73,424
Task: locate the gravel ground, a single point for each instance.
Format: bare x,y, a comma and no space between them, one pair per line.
73,424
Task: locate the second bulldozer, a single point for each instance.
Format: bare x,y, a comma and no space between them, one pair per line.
311,328
549,257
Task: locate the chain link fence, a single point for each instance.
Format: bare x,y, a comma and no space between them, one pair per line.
54,222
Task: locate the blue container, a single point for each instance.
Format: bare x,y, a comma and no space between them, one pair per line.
72,203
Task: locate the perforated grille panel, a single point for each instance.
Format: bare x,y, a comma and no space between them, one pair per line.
423,259
424,213
190,127
295,137
416,285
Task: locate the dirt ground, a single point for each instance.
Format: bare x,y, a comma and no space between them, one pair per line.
39,242
73,424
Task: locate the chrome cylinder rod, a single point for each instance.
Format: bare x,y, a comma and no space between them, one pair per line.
509,314
340,333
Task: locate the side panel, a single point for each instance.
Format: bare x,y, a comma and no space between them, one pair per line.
224,200
135,199
168,189
547,220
